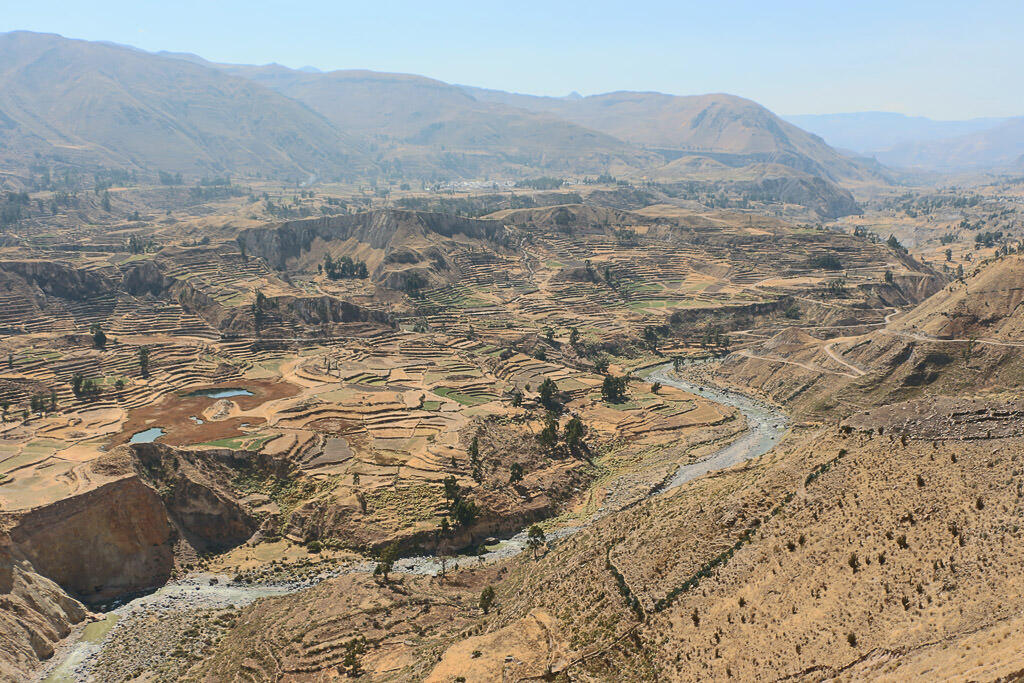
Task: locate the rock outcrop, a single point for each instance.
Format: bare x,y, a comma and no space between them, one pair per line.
99,544
34,614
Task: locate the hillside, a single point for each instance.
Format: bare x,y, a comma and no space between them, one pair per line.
414,119
966,338
102,105
729,129
425,125
1000,147
99,105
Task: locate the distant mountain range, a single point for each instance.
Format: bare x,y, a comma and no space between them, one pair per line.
100,105
922,143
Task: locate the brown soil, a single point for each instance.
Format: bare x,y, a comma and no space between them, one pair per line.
173,413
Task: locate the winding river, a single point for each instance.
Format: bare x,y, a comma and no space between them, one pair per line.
765,427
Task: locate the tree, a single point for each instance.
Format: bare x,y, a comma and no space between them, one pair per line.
888,277
464,512
613,389
574,337
601,365
105,201
53,401
99,339
144,361
451,489
258,306
386,561
574,432
949,255
517,398
548,436
352,663
474,460
656,387
77,381
548,391
487,599
515,473
535,539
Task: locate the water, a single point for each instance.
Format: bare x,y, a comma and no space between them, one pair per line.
220,393
765,427
147,435
201,591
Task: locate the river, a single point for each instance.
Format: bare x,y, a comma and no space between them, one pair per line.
765,427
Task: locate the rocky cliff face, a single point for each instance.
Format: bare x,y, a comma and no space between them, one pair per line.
34,614
280,246
195,488
54,278
119,536
102,543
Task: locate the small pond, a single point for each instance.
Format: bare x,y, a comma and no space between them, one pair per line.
220,393
147,435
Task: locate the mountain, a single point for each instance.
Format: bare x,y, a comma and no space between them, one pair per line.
418,119
617,131
870,131
728,129
999,148
103,105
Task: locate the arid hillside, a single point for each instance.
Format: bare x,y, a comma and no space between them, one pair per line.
966,338
723,128
103,106
418,118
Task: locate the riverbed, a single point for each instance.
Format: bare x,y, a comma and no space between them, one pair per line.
766,425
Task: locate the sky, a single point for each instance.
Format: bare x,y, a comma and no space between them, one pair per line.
943,59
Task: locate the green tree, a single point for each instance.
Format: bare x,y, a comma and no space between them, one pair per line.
464,512
451,489
548,391
613,389
515,473
99,339
574,337
144,361
574,433
352,661
474,460
77,381
535,539
548,436
386,561
487,599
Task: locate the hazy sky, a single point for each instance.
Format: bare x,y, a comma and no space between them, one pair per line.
939,58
